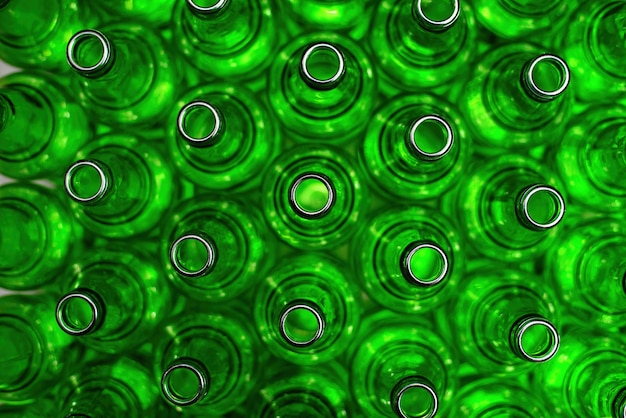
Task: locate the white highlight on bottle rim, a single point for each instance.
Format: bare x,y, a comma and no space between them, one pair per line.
449,137
418,385
316,81
554,338
210,9
184,112
529,193
283,323
69,328
329,202
106,50
531,80
174,255
456,12
69,177
173,397
444,269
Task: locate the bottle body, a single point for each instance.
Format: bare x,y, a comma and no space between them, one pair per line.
153,13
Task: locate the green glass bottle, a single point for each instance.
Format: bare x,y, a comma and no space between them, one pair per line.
34,33
586,378
41,127
590,158
587,267
226,38
517,98
307,309
124,73
120,186
156,13
313,197
39,236
320,392
594,45
213,247
422,44
408,259
497,398
207,361
322,87
415,147
221,137
401,368
115,298
121,388
503,319
35,353
511,206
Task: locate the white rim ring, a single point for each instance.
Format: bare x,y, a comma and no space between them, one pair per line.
443,24
177,400
211,9
184,113
444,270
529,193
68,181
95,314
316,81
318,319
525,326
533,85
106,50
449,136
329,203
189,273
432,393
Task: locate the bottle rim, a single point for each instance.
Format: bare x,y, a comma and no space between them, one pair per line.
208,245
311,214
77,40
194,6
102,175
95,305
208,139
445,149
410,251
307,306
436,25
319,83
524,211
531,83
524,326
197,369
401,389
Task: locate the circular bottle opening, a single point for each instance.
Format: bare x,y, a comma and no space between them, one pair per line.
193,255
536,340
424,264
89,51
542,207
322,66
199,123
312,195
436,15
546,77
185,382
301,324
79,312
416,400
86,182
431,137
206,6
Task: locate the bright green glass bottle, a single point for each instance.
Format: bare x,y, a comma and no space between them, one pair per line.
307,309
594,45
320,392
322,87
34,33
39,236
207,362
586,379
590,158
313,197
153,12
41,127
415,147
510,206
122,388
222,137
124,74
115,298
120,186
587,266
213,247
401,368
226,38
34,351
421,44
408,259
497,398
517,98
503,320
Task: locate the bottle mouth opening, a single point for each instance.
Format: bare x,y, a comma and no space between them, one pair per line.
414,398
535,339
424,264
322,66
436,16
80,312
89,52
540,207
301,324
185,382
200,123
312,195
87,181
193,255
206,7
546,77
431,137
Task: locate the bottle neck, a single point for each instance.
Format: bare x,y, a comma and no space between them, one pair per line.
80,312
24,22
185,382
301,324
91,54
414,397
89,182
202,124
193,255
435,16
424,263
545,78
605,158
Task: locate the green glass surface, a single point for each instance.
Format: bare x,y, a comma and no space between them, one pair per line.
422,44
34,33
408,259
207,361
509,207
213,247
518,98
115,388
503,320
35,354
124,74
307,309
221,137
120,186
153,12
594,46
38,237
313,197
322,88
401,367
225,38
41,126
415,147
